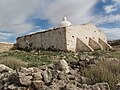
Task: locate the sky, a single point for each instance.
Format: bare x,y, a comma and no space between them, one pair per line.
21,17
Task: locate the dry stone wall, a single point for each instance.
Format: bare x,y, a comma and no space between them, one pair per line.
51,39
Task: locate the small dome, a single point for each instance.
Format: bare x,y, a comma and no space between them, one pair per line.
64,23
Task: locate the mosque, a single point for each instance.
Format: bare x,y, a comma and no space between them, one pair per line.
66,37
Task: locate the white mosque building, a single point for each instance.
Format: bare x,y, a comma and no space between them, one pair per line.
66,37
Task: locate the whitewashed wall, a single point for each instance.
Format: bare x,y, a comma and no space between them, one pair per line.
84,33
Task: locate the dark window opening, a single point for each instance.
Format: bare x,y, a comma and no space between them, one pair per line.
93,37
52,46
86,37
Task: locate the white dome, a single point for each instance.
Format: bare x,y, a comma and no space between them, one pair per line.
64,23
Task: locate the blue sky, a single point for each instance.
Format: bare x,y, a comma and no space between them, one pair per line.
20,17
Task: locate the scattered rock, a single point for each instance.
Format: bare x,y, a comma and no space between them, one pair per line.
58,76
47,76
71,86
20,79
118,86
64,66
102,86
4,68
37,76
12,87
37,85
62,76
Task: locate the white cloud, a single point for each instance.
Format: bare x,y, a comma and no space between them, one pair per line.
112,33
14,14
104,1
113,7
106,19
75,10
110,8
5,34
118,1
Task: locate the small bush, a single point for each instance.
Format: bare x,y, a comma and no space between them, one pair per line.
105,71
12,62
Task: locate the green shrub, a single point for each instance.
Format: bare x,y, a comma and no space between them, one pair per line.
12,62
105,71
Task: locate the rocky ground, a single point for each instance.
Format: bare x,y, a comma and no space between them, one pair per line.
57,76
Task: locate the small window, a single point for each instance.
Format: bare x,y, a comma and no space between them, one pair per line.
94,31
93,37
86,37
72,36
52,46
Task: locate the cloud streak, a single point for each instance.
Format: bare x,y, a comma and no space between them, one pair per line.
110,8
112,33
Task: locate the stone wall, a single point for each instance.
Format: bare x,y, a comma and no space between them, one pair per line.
6,46
51,39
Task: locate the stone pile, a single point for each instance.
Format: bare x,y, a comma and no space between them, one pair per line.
57,76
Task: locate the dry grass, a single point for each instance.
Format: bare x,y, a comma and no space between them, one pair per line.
12,62
104,71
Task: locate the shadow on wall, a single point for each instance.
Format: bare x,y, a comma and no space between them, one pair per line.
81,46
93,45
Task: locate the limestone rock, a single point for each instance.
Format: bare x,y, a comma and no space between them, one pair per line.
96,87
102,86
70,86
12,87
4,68
62,76
57,85
47,76
22,70
37,76
118,86
64,66
37,85
85,87
83,79
20,79
71,77
22,88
